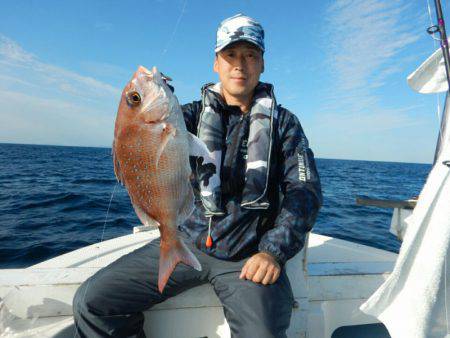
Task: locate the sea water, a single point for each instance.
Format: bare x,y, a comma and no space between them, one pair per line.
54,199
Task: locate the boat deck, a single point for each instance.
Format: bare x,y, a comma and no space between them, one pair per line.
341,275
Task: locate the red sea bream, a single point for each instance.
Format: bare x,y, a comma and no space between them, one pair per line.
151,158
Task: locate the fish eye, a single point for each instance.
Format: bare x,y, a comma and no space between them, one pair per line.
133,98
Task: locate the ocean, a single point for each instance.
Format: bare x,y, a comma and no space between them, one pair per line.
54,199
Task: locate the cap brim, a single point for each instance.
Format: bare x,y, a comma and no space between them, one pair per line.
218,49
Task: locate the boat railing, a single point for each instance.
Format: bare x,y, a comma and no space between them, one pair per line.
383,203
401,210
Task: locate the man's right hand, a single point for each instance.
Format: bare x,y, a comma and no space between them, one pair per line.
261,268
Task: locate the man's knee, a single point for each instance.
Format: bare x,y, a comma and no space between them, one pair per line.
83,301
260,323
254,309
95,316
94,297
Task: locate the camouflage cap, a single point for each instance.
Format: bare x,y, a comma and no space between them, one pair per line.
239,28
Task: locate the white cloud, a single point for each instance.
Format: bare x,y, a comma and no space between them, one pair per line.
45,103
366,35
11,51
107,70
366,45
30,119
14,56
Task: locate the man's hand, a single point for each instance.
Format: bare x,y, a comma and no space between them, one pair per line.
261,268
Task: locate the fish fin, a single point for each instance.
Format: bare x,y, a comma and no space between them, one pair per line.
188,204
144,218
117,170
168,133
198,148
172,253
208,174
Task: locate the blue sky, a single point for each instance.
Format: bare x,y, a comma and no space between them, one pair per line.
340,66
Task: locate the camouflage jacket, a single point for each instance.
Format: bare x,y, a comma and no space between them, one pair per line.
294,191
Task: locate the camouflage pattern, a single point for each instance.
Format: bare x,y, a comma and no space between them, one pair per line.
210,131
259,144
293,188
239,28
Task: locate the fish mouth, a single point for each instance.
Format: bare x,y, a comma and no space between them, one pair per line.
143,70
156,103
154,74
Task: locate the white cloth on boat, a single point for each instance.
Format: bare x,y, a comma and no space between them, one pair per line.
430,76
414,301
398,222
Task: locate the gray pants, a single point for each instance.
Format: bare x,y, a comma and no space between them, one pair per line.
110,303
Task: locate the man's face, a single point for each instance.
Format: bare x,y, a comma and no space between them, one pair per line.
239,67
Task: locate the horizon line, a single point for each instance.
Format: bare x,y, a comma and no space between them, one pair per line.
109,147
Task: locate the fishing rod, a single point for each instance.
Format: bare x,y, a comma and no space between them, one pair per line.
440,27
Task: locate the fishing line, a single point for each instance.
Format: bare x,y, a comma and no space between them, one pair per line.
164,51
101,240
169,42
107,212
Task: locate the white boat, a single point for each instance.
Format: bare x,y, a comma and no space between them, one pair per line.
337,278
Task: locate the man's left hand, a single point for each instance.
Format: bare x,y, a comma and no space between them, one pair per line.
261,268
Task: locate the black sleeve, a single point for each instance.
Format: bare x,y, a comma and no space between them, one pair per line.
191,112
302,194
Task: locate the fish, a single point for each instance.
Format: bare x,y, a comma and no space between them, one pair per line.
151,151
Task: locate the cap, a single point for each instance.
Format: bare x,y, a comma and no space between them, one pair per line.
239,28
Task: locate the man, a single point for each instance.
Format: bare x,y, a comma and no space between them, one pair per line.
243,232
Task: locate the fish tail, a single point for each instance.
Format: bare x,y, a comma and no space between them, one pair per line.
170,255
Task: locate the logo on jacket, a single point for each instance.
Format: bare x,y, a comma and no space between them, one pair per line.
301,168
